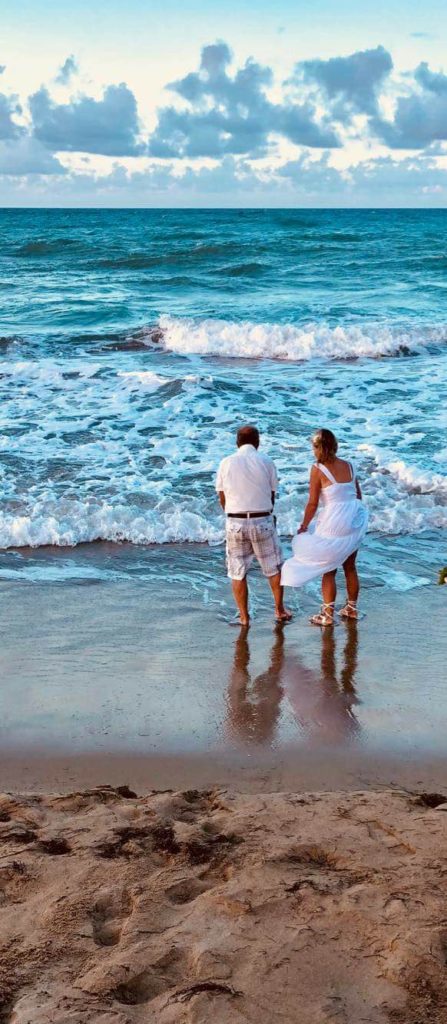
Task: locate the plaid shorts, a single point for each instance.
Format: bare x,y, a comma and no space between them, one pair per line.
250,538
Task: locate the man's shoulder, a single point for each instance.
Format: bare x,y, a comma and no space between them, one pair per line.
266,459
224,464
226,459
235,457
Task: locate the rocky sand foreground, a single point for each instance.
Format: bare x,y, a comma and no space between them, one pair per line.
199,906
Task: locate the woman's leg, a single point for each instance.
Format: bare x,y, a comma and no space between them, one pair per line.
352,580
329,590
329,587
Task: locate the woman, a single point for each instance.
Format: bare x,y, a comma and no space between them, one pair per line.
320,548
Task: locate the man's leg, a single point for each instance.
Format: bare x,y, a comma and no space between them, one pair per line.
239,558
240,594
267,549
281,613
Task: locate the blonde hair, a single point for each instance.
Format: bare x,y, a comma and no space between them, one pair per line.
328,443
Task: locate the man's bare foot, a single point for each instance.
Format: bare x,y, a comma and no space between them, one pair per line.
243,623
283,615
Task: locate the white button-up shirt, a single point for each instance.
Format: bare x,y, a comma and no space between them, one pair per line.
247,479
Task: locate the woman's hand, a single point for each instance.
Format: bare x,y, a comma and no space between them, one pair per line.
312,503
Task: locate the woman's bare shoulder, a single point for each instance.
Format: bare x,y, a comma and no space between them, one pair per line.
315,475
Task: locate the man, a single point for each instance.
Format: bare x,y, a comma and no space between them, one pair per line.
246,483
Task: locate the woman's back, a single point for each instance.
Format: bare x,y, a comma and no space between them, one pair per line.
333,491
338,471
323,544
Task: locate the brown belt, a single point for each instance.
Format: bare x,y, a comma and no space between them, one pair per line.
247,515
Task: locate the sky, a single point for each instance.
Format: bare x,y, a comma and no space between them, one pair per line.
186,103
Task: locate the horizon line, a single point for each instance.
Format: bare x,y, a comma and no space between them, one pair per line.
238,209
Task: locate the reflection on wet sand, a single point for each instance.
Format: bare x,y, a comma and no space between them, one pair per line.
322,702
254,705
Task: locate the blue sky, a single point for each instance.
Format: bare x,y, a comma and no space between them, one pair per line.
311,103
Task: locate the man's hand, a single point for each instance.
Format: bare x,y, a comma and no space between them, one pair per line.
222,499
302,529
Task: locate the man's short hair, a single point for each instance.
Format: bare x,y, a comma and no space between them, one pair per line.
248,435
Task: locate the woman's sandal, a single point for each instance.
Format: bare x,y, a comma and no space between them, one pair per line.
325,617
349,611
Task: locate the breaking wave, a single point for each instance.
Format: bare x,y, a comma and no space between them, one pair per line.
247,340
401,499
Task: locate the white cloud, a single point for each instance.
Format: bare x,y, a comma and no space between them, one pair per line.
420,117
67,71
9,129
27,155
334,134
109,125
232,113
349,84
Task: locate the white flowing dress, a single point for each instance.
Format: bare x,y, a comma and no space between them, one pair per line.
335,533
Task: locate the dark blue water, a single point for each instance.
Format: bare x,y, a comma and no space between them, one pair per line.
133,342
107,270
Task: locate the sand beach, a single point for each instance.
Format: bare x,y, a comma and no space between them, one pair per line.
263,838
203,905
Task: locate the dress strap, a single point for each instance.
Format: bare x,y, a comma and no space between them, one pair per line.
326,472
351,466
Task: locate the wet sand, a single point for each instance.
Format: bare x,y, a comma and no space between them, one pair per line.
263,772
137,669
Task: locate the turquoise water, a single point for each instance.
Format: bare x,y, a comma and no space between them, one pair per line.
134,342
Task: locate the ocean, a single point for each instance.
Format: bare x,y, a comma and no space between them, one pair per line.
133,343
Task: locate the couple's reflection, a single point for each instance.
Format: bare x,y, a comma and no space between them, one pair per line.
322,702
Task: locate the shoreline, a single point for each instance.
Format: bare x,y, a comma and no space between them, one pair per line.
250,772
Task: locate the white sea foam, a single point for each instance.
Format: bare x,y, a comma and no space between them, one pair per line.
293,343
401,500
417,481
414,479
142,380
107,450
49,372
70,523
